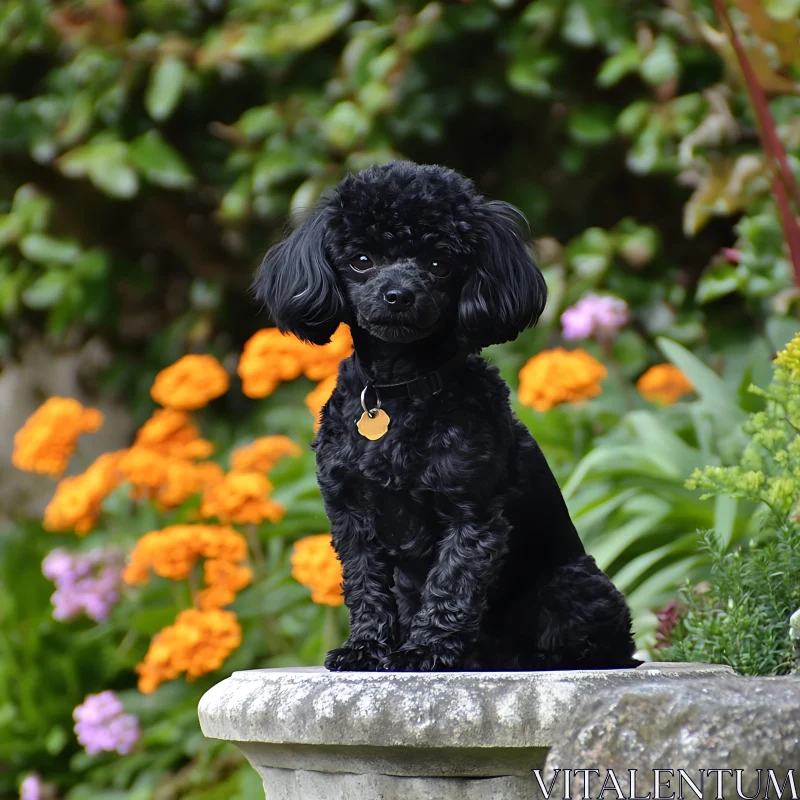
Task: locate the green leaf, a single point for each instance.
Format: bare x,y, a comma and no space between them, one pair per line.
724,518
617,460
577,28
260,122
591,125
590,253
10,229
105,162
43,249
167,81
235,204
92,266
46,290
661,63
655,437
345,124
706,383
616,67
159,162
717,283
530,72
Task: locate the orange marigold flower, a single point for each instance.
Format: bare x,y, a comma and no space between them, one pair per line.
664,384
318,396
323,362
241,497
190,383
172,551
46,441
223,579
169,481
560,376
220,542
197,643
145,469
172,433
77,502
270,357
314,564
184,479
263,454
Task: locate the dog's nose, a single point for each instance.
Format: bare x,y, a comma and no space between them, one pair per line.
399,299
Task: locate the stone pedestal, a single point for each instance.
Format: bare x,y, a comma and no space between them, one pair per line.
318,735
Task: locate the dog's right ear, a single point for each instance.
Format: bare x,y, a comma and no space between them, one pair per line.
298,285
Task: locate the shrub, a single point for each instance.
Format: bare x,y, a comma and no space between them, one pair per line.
742,617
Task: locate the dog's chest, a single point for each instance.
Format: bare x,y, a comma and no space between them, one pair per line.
388,479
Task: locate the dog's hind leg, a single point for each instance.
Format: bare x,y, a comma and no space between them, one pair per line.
573,619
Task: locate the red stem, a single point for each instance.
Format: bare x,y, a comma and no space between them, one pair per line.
783,182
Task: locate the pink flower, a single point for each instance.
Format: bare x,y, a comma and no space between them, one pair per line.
668,618
597,316
101,725
86,583
34,788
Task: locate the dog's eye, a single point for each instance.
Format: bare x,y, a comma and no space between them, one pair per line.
439,269
361,264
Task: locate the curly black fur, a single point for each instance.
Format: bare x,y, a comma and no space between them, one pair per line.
457,548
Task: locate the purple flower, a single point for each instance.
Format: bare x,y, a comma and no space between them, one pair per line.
101,725
597,316
86,583
34,788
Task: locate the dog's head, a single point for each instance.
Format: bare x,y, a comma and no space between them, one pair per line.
404,252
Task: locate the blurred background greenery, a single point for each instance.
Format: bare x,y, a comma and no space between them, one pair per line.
151,150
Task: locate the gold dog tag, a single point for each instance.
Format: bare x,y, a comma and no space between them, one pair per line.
375,426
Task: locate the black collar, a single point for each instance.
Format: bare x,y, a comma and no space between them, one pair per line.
424,386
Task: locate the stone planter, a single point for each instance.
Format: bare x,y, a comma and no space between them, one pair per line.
318,735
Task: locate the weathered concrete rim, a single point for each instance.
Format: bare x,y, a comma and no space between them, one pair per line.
311,706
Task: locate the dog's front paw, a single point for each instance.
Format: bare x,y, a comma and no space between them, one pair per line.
423,658
362,655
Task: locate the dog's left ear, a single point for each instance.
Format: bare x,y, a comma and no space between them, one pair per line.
299,286
505,293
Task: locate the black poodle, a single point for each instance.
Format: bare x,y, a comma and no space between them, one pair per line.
457,548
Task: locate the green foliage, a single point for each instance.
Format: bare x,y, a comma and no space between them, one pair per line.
627,494
166,142
742,618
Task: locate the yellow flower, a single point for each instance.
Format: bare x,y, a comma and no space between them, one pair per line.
314,565
77,501
241,497
270,357
198,643
790,357
172,433
559,376
190,383
46,441
262,454
664,384
317,397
